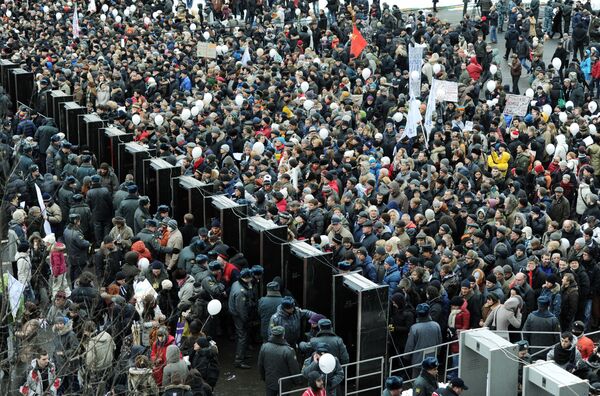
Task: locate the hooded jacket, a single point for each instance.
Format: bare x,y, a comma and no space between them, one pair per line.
141,383
175,368
66,342
99,352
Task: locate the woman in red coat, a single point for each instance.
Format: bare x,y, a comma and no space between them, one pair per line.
159,353
474,69
458,320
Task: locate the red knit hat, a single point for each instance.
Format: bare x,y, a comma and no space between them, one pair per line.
538,169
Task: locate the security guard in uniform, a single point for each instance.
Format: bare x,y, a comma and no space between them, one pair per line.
77,246
241,305
426,383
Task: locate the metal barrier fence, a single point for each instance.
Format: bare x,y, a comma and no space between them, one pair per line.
360,378
397,365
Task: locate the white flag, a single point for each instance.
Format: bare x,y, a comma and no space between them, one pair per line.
413,119
15,293
92,6
47,228
431,105
246,57
76,29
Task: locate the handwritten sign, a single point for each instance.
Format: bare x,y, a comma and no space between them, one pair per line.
447,91
516,105
207,50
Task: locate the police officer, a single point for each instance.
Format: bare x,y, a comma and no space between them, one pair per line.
213,288
80,208
426,383
99,200
393,386
52,152
77,246
241,304
148,236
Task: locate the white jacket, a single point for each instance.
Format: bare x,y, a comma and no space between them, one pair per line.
583,192
23,268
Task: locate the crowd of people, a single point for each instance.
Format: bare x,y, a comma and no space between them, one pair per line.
482,220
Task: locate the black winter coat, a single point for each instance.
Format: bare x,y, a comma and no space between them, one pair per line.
276,360
99,200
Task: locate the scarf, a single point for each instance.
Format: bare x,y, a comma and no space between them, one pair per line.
563,356
180,282
452,318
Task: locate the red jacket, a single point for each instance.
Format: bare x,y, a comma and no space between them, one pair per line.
57,261
461,322
474,69
596,70
159,358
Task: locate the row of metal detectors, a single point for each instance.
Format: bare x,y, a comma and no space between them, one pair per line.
358,307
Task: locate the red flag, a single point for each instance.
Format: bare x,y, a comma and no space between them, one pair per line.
357,42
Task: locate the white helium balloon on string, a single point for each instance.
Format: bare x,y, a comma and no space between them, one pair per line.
118,19
324,133
272,52
592,107
260,52
105,8
126,12
192,27
308,104
102,17
550,149
159,119
147,21
239,99
196,152
258,148
304,86
115,12
569,105
199,104
557,63
206,35
46,9
297,12
574,128
366,73
397,117
207,98
592,128
437,68
327,363
563,117
132,8
529,93
491,85
547,109
186,114
136,119
214,307
58,16
493,69
195,111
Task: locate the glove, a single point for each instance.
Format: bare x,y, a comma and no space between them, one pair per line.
176,251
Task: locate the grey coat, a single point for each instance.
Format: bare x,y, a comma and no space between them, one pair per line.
541,321
291,322
276,360
334,343
175,366
267,306
424,334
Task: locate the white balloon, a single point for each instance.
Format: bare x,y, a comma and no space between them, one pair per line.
132,8
489,103
258,148
557,63
562,116
195,111
102,17
58,16
207,98
196,152
260,52
199,104
214,307
272,52
118,19
592,128
533,103
414,75
136,119
495,101
334,106
147,21
529,93
239,99
297,11
327,363
574,128
397,117
206,35
186,114
308,104
105,8
491,85
115,12
46,9
9,13
593,106
569,105
304,86
159,119
550,149
323,133
366,73
192,26
493,69
126,12
437,68
547,109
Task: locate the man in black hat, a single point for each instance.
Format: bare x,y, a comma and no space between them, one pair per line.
129,205
77,246
368,238
425,333
142,213
99,199
541,326
276,360
242,307
426,382
81,208
267,306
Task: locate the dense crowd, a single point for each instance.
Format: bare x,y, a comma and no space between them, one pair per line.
484,219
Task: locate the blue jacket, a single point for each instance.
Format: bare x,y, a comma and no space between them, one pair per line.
392,278
292,323
368,269
186,84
